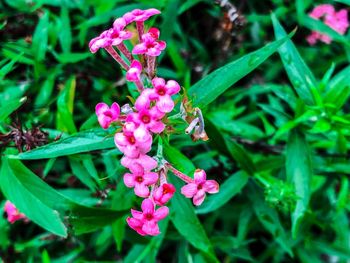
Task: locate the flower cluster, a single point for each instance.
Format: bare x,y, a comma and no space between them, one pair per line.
338,21
13,214
146,118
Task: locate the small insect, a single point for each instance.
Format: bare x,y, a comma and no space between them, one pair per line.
231,16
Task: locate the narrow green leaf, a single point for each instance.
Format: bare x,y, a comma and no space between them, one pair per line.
7,107
64,121
241,157
228,190
45,91
65,34
182,212
338,90
27,191
85,141
212,86
178,160
148,253
23,198
298,72
299,172
40,37
81,173
8,67
187,223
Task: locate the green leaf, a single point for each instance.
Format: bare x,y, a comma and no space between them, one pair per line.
140,253
298,72
85,141
64,121
228,190
10,106
45,92
186,222
21,195
40,37
182,212
66,58
8,67
88,219
27,191
338,89
270,220
65,34
299,172
82,173
212,86
241,157
178,160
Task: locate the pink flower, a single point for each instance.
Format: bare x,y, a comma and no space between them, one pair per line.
147,162
338,21
150,44
101,41
322,10
148,118
146,222
163,92
163,194
140,179
134,72
12,212
133,141
199,187
139,15
106,115
117,34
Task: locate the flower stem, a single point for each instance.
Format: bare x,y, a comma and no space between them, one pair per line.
179,174
125,51
139,85
117,57
151,64
140,29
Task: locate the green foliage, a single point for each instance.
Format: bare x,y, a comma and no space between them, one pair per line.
278,128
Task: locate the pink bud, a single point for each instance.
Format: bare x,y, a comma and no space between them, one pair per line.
163,194
134,72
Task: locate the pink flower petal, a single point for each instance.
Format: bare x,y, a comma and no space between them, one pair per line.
157,127
150,228
147,206
172,87
165,104
129,180
198,198
199,176
150,178
139,49
211,186
161,213
141,190
189,190
100,108
158,83
137,214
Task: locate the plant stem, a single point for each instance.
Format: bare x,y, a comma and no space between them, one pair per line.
125,51
117,57
179,174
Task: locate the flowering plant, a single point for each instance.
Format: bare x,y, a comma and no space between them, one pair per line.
148,117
